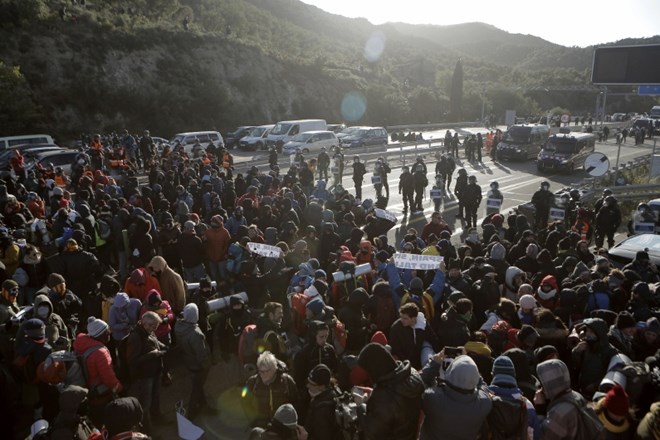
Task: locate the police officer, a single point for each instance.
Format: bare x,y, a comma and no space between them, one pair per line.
421,182
272,156
406,187
608,220
459,190
600,202
496,194
323,161
419,163
382,169
471,201
643,215
359,170
543,200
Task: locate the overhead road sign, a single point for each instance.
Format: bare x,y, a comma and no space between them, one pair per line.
626,65
648,90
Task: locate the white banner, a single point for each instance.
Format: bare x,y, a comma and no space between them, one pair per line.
381,213
557,214
494,204
264,250
419,262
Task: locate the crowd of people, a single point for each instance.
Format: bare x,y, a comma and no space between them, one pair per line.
110,281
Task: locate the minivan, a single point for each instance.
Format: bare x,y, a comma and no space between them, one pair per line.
10,141
256,139
285,130
311,142
189,139
566,152
522,142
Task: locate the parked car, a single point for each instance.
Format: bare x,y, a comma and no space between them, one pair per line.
235,136
311,142
624,252
348,131
336,127
256,139
189,139
8,153
366,136
284,131
63,159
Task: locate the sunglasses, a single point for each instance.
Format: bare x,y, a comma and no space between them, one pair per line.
14,291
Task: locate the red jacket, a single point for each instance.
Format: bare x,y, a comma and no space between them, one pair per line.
140,291
217,242
99,363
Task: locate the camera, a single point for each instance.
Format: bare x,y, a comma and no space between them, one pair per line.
346,412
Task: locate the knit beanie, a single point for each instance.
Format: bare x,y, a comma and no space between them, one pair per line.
616,401
316,305
286,415
191,313
653,325
35,329
416,285
55,279
96,327
376,360
504,373
528,335
527,302
542,354
320,375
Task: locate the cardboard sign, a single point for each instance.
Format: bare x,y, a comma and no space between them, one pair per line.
418,262
557,214
265,250
643,227
494,204
381,213
436,194
375,180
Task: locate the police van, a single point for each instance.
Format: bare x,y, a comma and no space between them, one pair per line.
522,142
565,152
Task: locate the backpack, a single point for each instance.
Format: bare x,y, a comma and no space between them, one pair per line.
589,426
340,336
103,229
235,253
507,419
68,368
247,344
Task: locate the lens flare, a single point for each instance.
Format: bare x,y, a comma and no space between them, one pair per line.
353,106
374,47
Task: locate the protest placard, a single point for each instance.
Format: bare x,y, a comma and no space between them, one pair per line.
557,213
264,249
417,262
381,213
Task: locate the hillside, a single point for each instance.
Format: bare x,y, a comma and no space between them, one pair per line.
111,65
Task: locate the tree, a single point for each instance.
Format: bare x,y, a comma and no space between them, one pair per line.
17,110
456,93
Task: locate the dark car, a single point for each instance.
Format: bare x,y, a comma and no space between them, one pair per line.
566,152
624,252
7,154
647,124
365,136
231,140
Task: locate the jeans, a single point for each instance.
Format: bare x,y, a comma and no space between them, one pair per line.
197,398
214,269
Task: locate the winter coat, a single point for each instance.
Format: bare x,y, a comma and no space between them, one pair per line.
320,422
164,311
516,394
393,408
194,349
561,421
262,400
456,409
190,250
123,316
100,372
452,330
217,243
407,342
81,270
140,291
173,288
310,356
142,354
55,326
591,363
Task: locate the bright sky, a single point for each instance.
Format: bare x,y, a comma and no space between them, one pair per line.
601,21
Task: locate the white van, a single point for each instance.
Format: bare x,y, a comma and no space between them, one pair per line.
10,141
189,139
285,130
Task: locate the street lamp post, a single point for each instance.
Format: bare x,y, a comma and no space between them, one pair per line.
483,103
